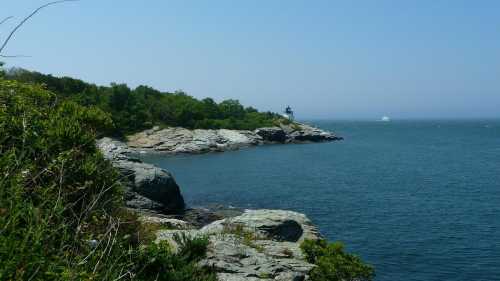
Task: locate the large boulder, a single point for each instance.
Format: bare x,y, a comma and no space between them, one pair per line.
256,245
146,186
153,183
278,225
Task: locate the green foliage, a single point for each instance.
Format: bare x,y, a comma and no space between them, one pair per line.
61,215
54,184
141,108
333,263
159,262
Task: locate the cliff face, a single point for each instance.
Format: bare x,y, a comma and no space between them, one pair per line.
181,140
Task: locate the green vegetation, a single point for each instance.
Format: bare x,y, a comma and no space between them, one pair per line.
133,110
333,263
61,215
61,205
162,265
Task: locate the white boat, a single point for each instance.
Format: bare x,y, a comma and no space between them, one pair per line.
385,119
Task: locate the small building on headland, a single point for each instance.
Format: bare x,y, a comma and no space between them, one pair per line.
288,113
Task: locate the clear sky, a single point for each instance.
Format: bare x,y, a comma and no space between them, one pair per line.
327,59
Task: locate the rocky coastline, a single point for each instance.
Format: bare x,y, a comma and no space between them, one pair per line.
180,140
243,244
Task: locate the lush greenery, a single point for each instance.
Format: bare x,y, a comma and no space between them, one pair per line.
61,215
137,109
333,263
61,205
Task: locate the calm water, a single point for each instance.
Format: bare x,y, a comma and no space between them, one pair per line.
419,200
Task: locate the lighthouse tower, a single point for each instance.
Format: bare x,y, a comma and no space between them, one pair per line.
289,113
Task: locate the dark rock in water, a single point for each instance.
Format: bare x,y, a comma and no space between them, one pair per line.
272,134
147,186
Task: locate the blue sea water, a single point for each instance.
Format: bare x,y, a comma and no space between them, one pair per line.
420,200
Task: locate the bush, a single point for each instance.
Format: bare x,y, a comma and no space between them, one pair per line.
61,215
159,262
333,263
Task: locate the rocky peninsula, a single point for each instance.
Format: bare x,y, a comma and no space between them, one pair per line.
181,140
243,244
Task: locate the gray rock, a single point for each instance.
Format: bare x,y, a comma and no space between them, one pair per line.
135,201
277,225
272,134
169,223
181,140
266,256
306,133
146,186
200,217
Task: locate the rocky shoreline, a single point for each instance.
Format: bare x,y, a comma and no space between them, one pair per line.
180,140
243,244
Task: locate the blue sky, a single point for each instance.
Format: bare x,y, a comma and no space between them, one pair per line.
327,59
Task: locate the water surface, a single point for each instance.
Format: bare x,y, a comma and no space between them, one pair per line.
418,199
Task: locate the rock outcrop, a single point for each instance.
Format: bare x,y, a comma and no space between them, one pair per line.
244,245
305,133
272,134
181,140
146,186
256,245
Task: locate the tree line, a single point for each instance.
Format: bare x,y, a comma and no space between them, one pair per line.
133,110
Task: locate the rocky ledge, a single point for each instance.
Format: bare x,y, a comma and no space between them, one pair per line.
181,140
256,245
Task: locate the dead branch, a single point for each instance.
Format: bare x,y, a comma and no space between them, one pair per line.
14,56
6,41
5,19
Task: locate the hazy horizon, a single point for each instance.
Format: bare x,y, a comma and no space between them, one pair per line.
326,59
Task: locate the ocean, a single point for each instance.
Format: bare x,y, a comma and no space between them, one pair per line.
420,200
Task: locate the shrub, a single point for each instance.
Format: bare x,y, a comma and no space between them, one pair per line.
158,262
333,263
61,215
55,187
